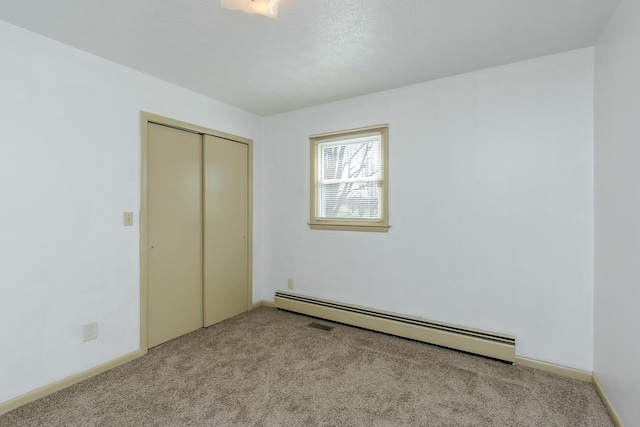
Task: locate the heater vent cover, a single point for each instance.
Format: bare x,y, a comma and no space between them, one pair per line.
320,326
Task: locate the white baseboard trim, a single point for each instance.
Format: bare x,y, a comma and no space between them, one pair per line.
263,303
607,403
576,374
565,371
48,389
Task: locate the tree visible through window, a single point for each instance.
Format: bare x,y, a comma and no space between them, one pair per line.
349,180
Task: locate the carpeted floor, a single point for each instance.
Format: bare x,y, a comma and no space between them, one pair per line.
268,368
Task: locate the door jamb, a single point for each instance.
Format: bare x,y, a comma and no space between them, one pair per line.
145,119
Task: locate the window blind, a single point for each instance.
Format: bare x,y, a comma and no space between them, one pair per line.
349,178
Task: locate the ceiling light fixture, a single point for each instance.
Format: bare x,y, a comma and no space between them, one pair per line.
267,8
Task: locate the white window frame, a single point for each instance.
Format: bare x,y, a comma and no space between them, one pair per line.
346,224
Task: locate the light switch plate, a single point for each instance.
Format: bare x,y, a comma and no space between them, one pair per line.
128,219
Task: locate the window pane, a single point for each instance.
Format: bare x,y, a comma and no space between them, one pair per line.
354,200
357,164
350,160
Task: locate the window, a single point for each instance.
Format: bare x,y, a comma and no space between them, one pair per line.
349,180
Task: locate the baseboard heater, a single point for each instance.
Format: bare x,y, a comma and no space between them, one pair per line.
490,344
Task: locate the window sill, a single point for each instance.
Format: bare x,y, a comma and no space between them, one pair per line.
377,228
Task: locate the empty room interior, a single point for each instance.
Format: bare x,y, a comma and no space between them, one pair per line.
445,191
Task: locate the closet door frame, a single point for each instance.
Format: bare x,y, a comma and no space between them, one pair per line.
145,119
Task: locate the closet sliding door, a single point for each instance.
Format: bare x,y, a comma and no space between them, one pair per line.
175,233
226,228
196,249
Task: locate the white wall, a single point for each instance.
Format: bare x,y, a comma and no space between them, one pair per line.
491,228
491,205
69,167
617,211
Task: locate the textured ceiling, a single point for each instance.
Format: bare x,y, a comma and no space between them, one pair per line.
317,50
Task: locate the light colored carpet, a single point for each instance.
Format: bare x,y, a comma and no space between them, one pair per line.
268,368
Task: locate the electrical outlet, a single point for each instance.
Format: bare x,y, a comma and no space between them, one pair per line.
91,331
290,283
128,219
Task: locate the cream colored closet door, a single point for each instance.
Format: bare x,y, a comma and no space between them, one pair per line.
175,305
226,287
